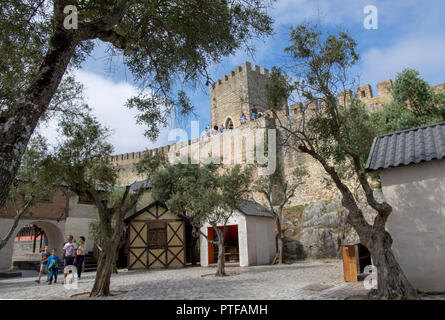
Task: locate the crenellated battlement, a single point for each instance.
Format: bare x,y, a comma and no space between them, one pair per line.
363,93
243,70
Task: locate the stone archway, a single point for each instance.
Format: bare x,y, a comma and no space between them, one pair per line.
54,233
228,122
53,229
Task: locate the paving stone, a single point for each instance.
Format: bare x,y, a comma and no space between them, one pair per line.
301,280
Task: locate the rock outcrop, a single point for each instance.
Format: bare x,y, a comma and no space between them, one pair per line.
323,229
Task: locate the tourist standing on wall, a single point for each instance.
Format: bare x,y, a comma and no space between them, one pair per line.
69,253
243,118
254,112
80,257
43,261
221,128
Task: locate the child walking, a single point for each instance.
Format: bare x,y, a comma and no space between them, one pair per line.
53,266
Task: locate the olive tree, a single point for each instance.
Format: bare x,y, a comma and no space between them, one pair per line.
335,131
203,194
81,161
278,189
166,45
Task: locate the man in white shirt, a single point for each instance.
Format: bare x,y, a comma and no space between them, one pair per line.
69,253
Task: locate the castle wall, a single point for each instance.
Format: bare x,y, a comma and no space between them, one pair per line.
235,93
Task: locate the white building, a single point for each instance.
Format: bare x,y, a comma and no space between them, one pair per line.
250,238
411,164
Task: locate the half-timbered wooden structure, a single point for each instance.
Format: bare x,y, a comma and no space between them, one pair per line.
156,238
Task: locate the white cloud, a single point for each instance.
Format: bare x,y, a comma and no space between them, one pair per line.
107,100
334,12
424,54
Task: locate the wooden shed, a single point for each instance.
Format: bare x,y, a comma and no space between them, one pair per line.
156,238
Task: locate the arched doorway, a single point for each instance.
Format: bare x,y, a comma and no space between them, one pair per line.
31,237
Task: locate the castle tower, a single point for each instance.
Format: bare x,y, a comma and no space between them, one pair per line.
235,94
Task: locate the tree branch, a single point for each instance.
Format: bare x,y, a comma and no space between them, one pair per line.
15,223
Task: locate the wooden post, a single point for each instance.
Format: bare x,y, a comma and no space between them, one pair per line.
41,240
34,239
211,250
349,254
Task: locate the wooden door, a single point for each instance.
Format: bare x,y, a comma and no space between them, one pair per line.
157,244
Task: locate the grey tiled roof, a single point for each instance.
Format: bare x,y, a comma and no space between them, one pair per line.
253,208
139,184
407,147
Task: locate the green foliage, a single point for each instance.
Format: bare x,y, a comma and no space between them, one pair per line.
26,29
356,129
200,192
68,103
149,163
411,90
94,231
337,132
278,89
414,104
319,57
33,183
81,159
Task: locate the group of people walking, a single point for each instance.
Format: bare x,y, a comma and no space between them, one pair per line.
217,129
73,255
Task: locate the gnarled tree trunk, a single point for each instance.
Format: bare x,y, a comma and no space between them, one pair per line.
107,259
391,281
278,259
105,267
15,223
220,271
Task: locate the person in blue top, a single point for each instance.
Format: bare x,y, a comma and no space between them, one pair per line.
53,266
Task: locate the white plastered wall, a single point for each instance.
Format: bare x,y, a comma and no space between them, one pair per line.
417,223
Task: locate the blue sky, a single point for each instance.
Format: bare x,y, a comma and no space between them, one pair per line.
410,34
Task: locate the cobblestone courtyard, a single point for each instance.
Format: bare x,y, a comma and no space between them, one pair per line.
302,280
